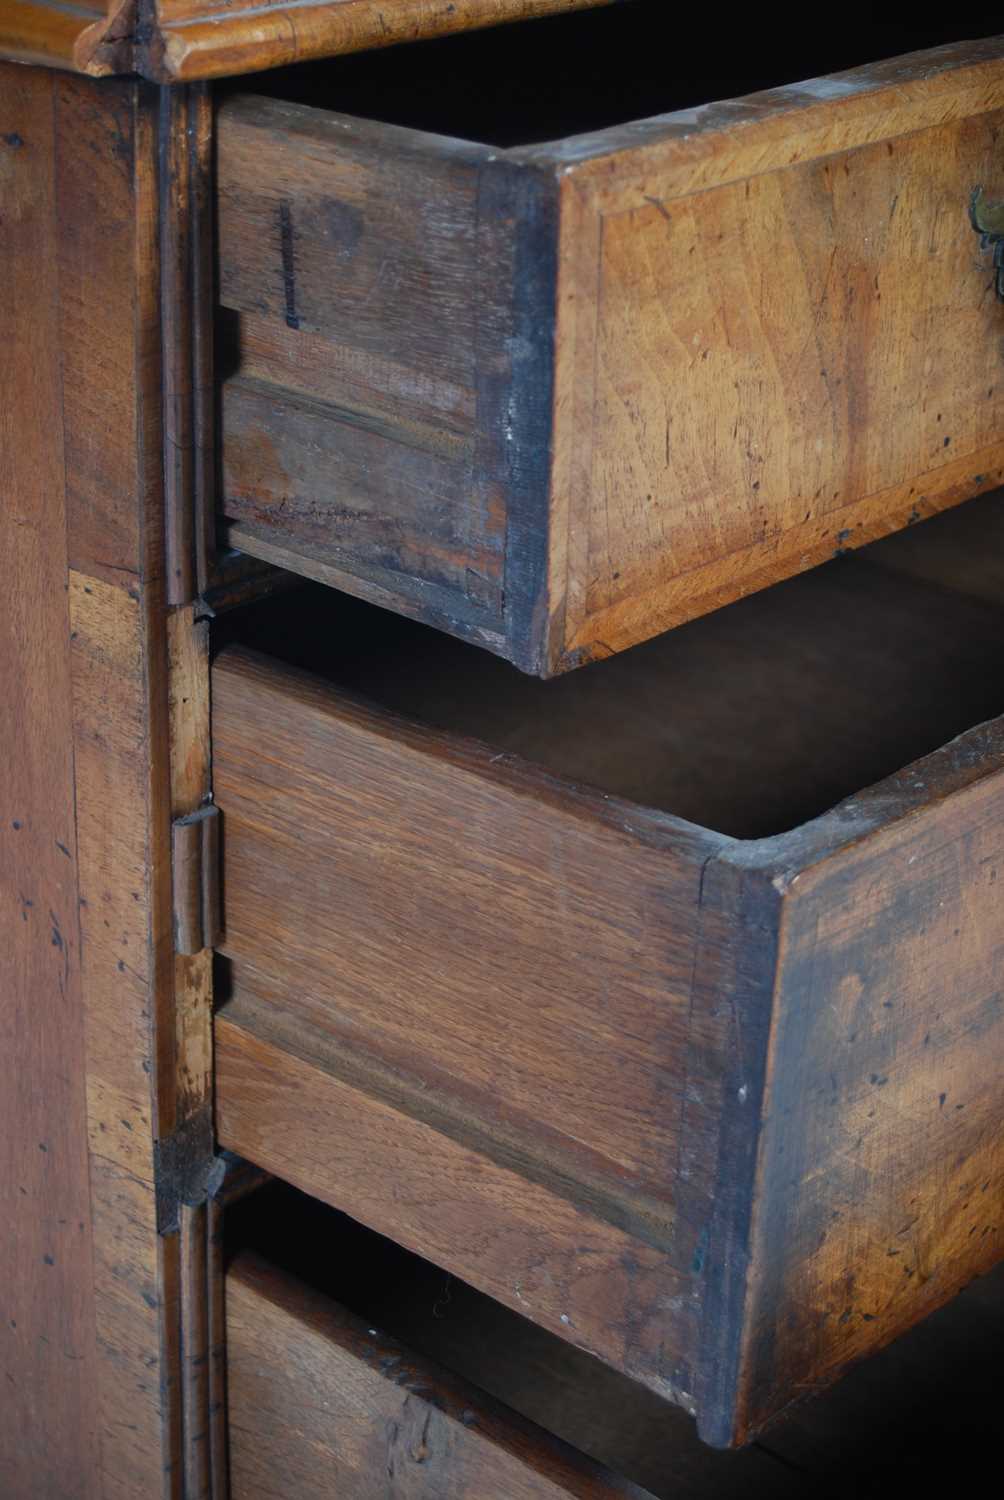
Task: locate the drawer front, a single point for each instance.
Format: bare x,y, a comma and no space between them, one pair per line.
319,1405
641,1082
558,399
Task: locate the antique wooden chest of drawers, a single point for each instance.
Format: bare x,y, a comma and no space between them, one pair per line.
658,1004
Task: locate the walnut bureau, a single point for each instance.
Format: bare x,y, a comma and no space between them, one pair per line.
374,376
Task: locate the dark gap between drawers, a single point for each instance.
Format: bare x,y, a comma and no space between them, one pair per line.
921,1408
536,81
436,1316
749,721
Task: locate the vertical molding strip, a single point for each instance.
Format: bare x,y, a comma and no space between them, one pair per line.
177,308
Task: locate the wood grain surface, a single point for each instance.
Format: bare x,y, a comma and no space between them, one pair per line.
48,1354
505,1223
643,371
105,740
531,851
881,1175
95,37
368,455
317,1400
787,346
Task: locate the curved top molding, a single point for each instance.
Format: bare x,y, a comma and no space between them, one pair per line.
179,41
96,37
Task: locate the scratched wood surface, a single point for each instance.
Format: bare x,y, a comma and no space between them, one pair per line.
108,297
120,693
688,357
67,488
499,1220
881,1179
822,337
529,997
48,1353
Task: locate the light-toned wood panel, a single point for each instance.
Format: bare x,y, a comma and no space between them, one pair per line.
203,39
767,373
129,1294
762,565
111,747
114,757
98,274
110,329
49,1419
84,461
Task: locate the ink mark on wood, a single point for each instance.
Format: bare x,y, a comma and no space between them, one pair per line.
288,267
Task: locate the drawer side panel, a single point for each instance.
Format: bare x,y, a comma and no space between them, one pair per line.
474,933
356,339
881,1180
500,963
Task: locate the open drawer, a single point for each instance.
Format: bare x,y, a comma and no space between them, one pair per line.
358,1370
603,1010
558,397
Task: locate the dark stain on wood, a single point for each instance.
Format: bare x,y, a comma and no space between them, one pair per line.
288,262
